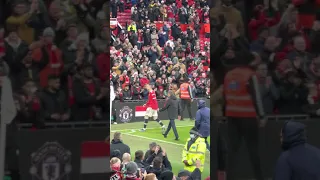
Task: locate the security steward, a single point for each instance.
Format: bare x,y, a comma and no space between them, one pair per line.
194,150
186,97
245,114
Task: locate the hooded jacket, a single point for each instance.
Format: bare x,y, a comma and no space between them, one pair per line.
299,160
203,119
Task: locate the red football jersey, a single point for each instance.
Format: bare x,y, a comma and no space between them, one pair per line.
152,100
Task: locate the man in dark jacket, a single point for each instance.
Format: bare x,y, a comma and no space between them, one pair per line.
90,96
54,102
117,144
157,167
173,107
157,151
139,159
299,160
203,121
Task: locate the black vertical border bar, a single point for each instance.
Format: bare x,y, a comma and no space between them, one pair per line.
214,124
2,12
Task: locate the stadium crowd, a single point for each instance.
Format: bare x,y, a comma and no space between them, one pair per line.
55,53
280,40
267,51
165,43
144,52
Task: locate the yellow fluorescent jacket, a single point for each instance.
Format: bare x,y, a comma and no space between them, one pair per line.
197,151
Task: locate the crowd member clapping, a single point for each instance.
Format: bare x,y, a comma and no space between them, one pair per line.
143,169
42,40
47,50
281,48
145,51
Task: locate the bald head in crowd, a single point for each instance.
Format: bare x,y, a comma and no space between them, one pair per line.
126,158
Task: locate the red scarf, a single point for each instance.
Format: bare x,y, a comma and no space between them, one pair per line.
52,54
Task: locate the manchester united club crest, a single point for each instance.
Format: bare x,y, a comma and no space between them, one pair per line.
125,114
51,162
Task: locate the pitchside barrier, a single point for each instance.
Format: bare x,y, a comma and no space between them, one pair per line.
128,111
269,147
64,151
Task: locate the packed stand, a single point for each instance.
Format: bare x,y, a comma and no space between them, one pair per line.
154,164
281,41
56,54
163,43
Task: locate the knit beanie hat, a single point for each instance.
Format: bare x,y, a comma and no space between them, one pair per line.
194,130
131,168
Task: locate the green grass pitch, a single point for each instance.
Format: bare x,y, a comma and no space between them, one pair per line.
140,141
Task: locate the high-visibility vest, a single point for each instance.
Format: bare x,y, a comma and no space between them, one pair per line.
197,151
238,100
184,91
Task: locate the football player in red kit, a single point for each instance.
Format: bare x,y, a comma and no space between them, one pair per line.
152,109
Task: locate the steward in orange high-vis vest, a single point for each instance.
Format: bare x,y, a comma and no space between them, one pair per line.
186,97
237,96
244,111
184,91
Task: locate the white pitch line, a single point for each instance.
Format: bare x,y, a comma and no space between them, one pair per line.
147,128
156,140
